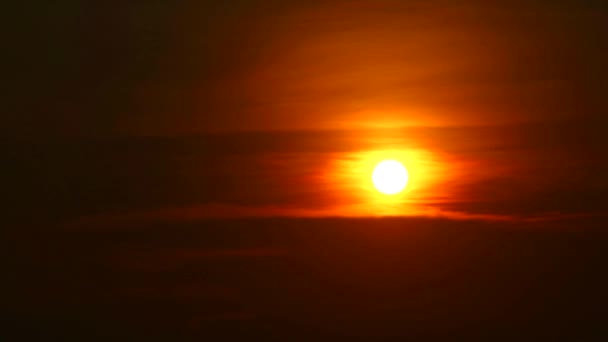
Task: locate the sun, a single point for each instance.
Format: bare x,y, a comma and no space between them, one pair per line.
390,177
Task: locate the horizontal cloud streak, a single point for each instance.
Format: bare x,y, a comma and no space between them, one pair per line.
514,171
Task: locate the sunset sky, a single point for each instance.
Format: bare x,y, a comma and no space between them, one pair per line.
279,108
148,113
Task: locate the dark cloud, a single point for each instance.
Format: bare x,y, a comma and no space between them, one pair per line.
406,277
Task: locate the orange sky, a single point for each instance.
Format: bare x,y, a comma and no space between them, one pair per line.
496,108
361,64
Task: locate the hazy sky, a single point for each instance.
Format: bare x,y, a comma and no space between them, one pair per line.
201,170
143,107
166,68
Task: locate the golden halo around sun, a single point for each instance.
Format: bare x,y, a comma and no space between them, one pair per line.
390,177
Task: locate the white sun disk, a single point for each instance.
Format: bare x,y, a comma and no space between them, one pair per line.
390,177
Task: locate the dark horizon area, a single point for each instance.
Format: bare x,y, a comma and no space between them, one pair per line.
310,279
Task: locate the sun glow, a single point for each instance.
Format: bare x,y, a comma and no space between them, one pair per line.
351,179
390,177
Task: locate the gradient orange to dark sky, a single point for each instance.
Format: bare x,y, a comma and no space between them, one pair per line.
145,139
272,108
